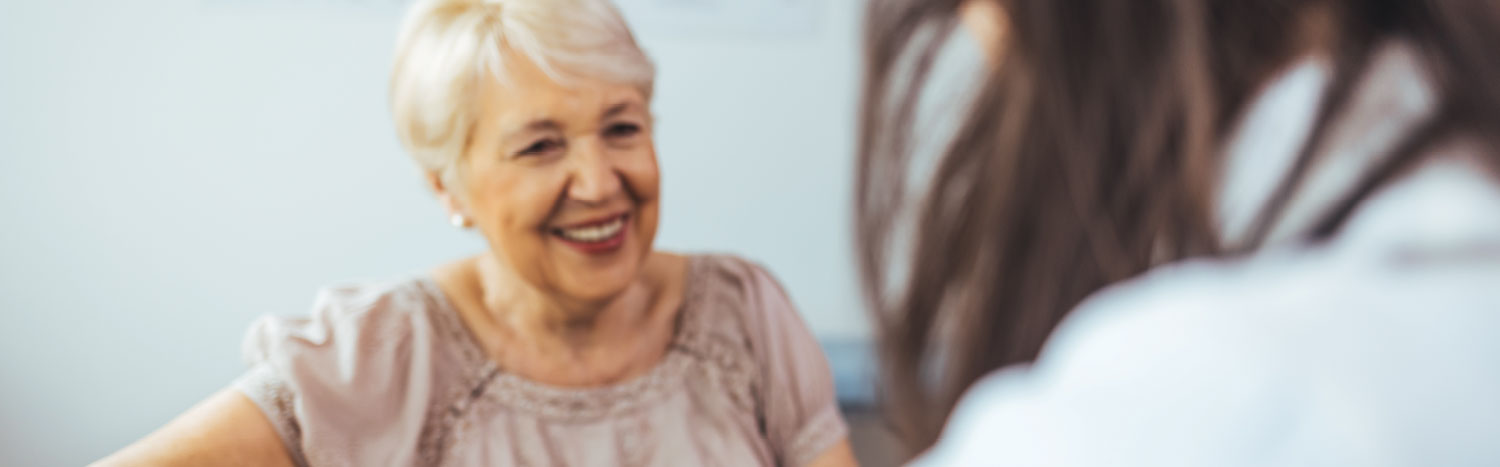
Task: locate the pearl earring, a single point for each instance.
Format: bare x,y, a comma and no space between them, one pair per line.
459,220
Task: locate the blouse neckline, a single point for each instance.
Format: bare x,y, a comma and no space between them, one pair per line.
486,376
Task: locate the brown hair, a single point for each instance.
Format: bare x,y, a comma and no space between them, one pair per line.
1088,156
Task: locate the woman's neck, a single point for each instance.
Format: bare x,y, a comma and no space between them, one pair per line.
553,321
555,340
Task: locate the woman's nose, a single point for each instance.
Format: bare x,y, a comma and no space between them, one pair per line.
595,178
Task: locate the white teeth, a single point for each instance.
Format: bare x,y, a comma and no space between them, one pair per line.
596,233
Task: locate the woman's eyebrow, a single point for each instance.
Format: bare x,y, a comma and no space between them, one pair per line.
617,109
535,126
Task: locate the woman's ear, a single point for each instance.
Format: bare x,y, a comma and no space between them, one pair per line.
457,215
987,22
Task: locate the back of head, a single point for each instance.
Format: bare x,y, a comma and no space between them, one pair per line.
1090,155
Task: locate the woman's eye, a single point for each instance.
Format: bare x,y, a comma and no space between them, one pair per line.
541,147
622,130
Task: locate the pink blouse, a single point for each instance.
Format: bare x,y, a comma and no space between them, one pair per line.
387,374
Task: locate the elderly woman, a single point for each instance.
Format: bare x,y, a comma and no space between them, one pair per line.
571,341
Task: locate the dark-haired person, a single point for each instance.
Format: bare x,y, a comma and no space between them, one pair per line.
1191,232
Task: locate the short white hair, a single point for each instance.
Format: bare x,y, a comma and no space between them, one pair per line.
446,47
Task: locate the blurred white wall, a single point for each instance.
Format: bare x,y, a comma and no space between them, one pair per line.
171,169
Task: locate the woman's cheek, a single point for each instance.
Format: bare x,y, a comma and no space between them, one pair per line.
643,175
537,194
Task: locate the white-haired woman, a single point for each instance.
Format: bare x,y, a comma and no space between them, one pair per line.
569,342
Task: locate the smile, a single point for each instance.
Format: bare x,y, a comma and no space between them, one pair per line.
594,233
597,236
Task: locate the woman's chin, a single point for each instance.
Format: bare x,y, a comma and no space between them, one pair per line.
599,274
600,282
601,290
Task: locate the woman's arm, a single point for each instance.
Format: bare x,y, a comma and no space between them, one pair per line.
840,455
227,429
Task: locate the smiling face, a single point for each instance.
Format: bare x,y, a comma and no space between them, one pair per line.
562,181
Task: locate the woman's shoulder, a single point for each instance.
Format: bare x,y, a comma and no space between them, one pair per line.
733,289
362,339
377,301
730,273
1226,353
377,346
1171,355
738,302
366,331
371,311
